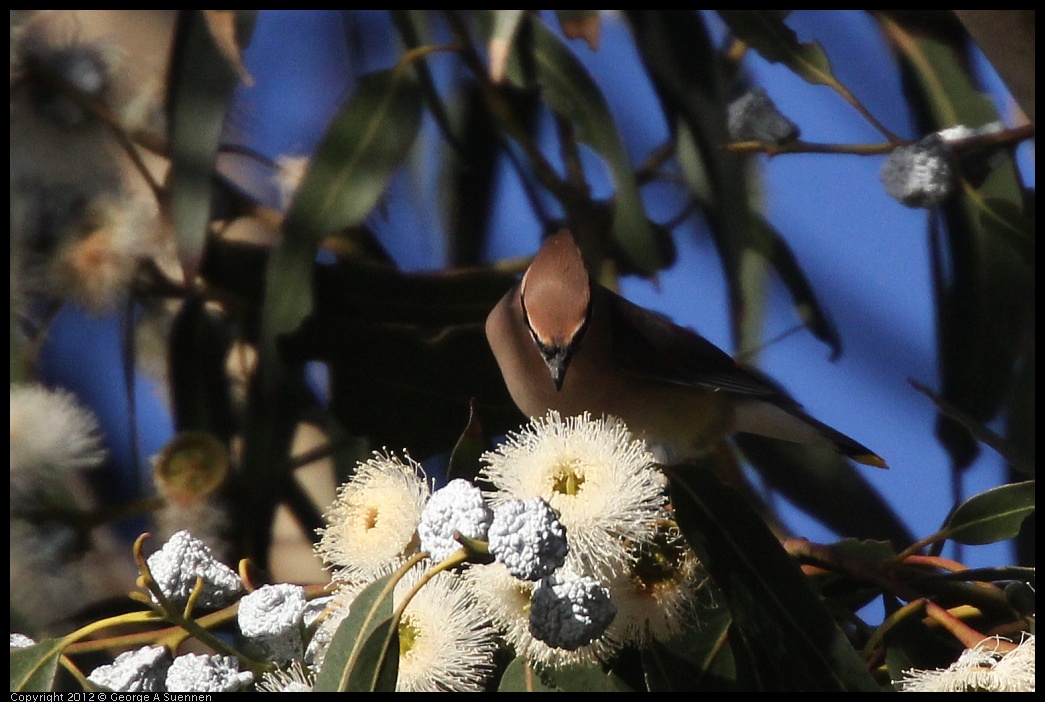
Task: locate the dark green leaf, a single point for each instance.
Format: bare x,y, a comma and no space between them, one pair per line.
583,678
779,255
689,78
991,516
826,486
363,656
199,348
364,144
201,84
771,602
33,668
519,676
765,32
982,273
464,460
700,659
570,91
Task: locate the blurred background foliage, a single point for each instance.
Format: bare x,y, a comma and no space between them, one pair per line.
276,266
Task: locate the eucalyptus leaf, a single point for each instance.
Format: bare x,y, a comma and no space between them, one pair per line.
583,678
983,275
991,516
363,655
571,92
689,78
765,32
519,676
33,668
772,603
201,84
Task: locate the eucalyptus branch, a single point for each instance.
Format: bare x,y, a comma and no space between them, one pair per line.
798,146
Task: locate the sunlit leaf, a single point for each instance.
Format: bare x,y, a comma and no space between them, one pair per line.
583,678
363,655
33,668
991,516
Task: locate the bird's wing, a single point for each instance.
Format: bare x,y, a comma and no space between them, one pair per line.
650,345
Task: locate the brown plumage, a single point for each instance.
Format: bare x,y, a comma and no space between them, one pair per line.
568,344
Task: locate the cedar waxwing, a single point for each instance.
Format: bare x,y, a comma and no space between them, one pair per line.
565,343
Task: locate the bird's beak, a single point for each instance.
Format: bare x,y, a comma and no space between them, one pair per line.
558,361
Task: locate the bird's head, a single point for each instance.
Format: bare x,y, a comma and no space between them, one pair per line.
556,301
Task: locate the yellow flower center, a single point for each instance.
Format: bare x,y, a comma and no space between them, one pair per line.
568,477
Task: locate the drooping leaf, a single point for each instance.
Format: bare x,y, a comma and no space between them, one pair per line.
689,78
363,655
771,602
33,668
201,83
570,91
982,273
464,459
991,516
700,659
366,141
826,486
765,32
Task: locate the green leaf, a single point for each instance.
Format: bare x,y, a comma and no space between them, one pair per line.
201,84
765,32
464,459
33,668
991,516
772,604
570,91
363,655
584,678
983,275
700,659
774,248
519,676
825,485
367,140
689,78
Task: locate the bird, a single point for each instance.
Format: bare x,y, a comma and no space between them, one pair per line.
563,342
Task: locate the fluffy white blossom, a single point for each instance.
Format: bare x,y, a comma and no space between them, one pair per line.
372,525
601,481
983,668
445,645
